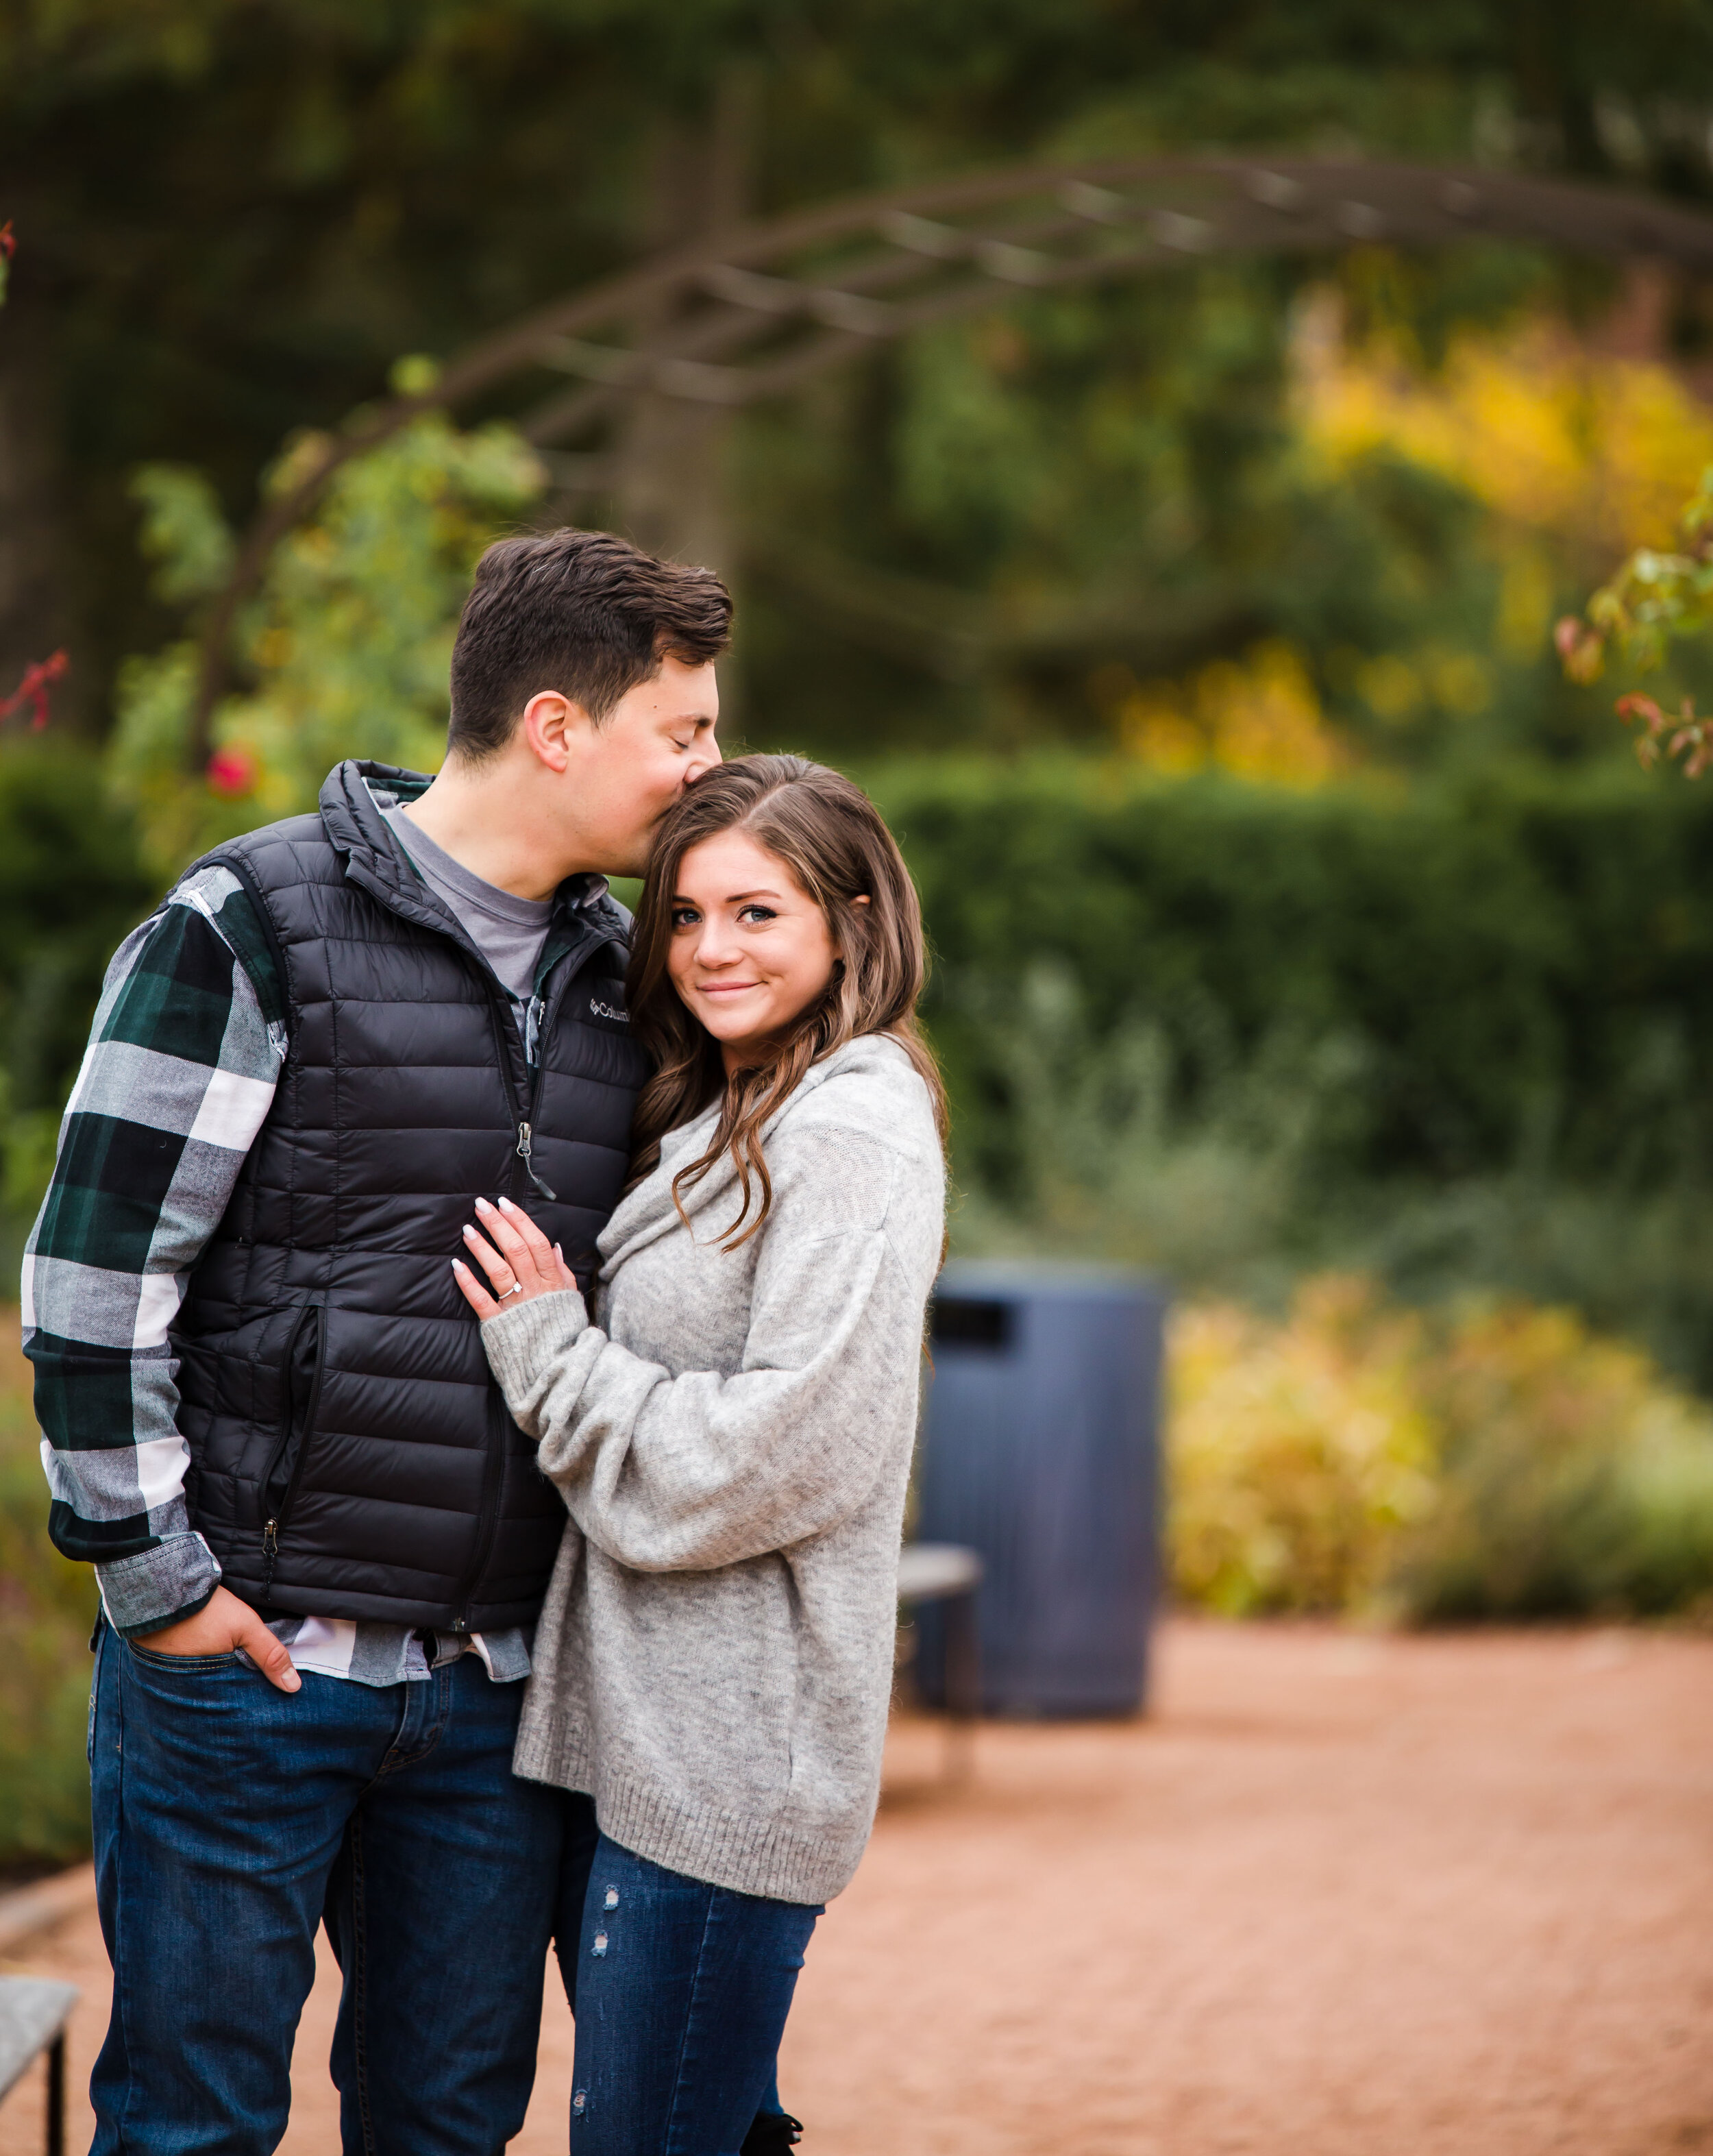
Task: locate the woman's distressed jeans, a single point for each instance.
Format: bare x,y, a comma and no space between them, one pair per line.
682,1990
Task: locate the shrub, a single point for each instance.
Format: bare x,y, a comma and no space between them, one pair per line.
71,885
1573,1480
1499,1462
48,1606
1298,1452
347,644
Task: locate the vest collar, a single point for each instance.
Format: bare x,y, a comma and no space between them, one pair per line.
374,860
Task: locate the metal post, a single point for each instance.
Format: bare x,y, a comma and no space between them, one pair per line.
963,1683
56,2096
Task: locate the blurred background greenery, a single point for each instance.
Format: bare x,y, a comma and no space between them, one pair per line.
1302,933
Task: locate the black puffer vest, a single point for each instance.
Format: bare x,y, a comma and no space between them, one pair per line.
351,1455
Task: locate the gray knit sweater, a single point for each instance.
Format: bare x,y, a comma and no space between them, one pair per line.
715,1657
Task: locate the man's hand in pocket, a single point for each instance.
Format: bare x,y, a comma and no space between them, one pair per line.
222,1624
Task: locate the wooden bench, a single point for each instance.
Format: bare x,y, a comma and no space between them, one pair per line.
34,2013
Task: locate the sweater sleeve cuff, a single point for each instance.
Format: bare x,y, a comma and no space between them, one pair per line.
522,1341
157,1587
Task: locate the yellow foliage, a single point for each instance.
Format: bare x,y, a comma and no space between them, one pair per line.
1298,1451
1504,1460
1544,1365
1555,438
1259,719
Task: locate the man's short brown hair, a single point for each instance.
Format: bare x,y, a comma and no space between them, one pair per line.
581,612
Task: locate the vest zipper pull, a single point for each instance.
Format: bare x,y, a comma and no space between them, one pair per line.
523,1154
270,1550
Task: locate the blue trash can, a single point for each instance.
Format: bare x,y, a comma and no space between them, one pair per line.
1040,1450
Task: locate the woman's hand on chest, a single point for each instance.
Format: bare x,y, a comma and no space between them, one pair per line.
524,1264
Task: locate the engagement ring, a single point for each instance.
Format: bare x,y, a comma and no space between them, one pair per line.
516,1288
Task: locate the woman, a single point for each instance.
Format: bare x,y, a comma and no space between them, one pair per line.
733,1439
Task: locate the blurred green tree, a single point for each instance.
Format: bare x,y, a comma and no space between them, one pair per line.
347,641
240,210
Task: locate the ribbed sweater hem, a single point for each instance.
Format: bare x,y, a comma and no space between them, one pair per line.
748,1855
525,1336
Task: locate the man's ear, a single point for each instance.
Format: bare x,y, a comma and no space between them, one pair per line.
551,725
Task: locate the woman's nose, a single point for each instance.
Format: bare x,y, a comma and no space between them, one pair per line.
716,946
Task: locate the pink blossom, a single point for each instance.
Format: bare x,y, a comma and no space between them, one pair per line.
232,772
33,689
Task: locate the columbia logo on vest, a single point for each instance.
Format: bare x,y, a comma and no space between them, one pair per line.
605,1010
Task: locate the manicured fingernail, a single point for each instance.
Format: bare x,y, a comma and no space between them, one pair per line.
458,1264
506,1205
483,1206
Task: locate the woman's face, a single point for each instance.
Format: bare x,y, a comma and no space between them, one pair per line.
749,948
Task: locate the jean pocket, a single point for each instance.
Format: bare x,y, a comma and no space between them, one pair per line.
235,1658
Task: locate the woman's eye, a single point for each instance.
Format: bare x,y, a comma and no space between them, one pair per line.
758,913
684,916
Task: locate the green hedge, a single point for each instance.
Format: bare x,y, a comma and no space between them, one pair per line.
1518,972
49,1605
71,885
1455,1035
1525,965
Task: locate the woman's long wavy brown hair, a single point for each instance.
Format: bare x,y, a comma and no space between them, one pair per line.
830,836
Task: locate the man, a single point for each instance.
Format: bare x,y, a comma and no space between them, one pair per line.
320,1539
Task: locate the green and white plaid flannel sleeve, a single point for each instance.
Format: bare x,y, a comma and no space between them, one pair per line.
181,1068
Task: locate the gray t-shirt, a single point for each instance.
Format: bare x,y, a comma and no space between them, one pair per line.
508,932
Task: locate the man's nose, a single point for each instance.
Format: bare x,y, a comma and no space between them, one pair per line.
704,756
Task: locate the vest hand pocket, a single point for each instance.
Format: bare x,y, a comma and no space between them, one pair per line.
300,1391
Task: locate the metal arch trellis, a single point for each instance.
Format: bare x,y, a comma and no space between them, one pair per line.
752,312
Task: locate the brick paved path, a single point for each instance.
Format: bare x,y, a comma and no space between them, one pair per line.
1341,1897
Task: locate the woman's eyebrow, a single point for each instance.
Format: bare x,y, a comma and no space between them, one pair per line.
736,898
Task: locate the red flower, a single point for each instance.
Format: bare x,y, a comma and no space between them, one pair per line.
232,772
9,240
33,689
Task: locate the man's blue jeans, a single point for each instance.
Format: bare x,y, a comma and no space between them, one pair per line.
680,1993
229,1816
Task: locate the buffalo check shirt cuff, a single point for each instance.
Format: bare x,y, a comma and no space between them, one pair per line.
180,1071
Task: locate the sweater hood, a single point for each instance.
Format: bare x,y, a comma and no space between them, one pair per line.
872,1060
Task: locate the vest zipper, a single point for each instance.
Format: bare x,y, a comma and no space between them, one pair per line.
541,1011
532,1046
487,1520
539,1016
502,1021
524,1141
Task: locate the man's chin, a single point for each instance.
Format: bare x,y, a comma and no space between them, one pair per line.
629,860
